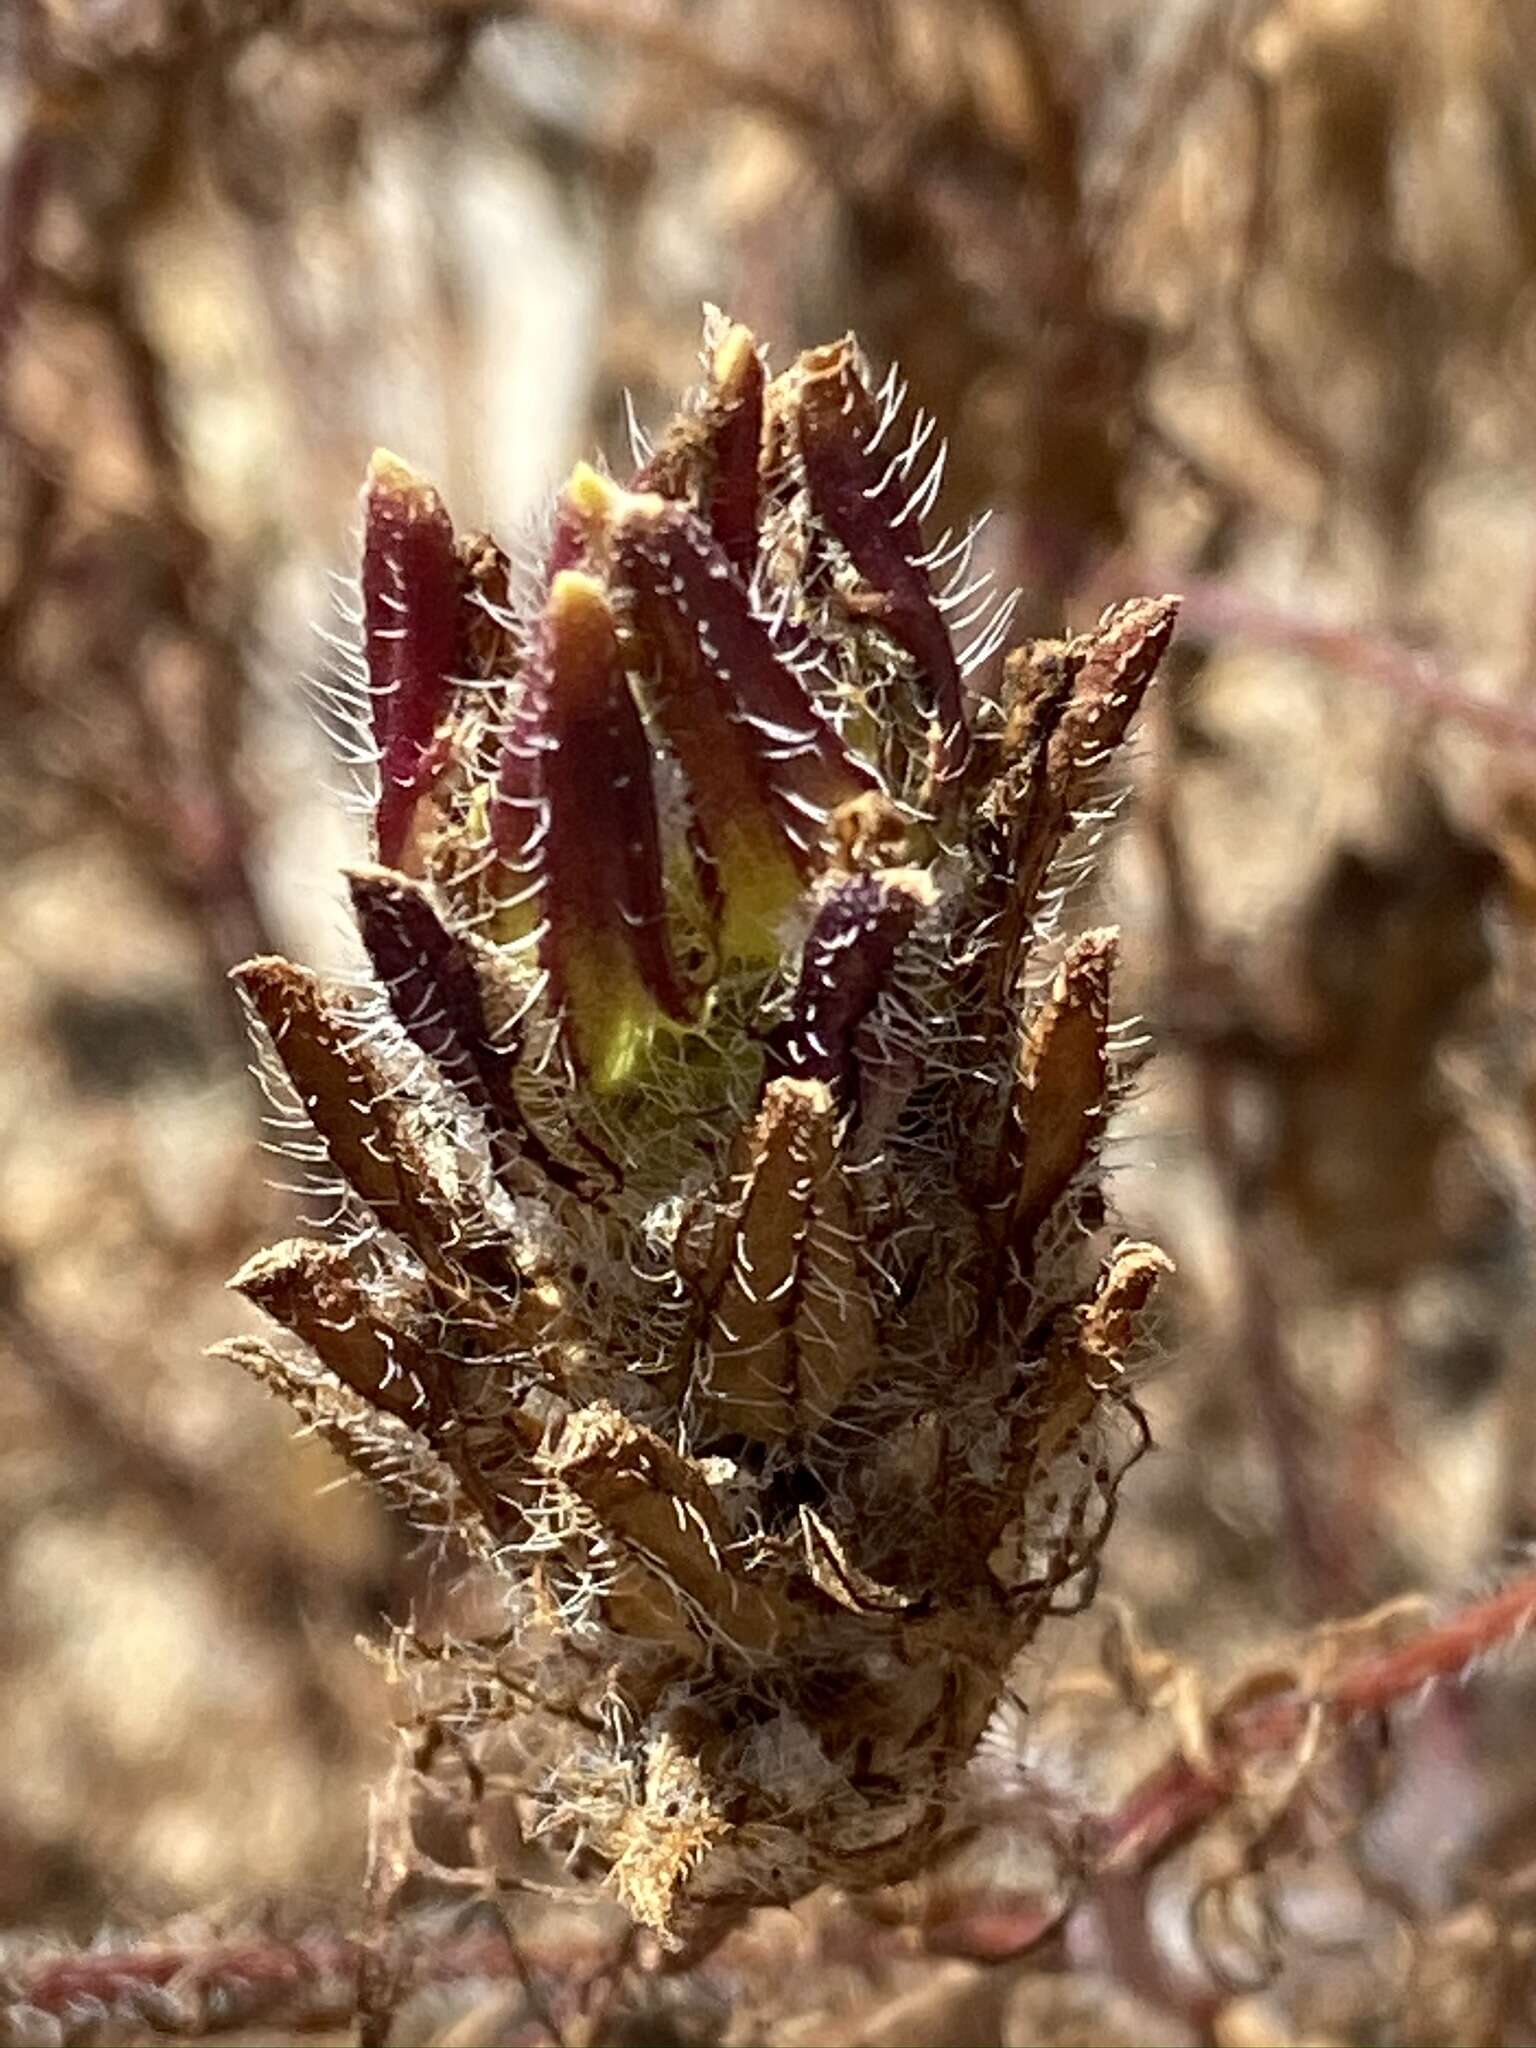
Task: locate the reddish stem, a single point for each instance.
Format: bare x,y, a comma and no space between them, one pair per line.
1167,1807
1177,1799
1214,609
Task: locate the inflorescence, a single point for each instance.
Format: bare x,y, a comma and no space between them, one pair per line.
716,1240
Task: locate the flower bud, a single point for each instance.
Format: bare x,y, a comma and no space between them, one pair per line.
412,589
863,503
576,808
764,769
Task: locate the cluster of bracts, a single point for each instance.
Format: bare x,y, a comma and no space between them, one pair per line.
717,1241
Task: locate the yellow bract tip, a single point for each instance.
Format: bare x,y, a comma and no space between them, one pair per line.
591,495
390,472
584,647
735,353
576,598
601,504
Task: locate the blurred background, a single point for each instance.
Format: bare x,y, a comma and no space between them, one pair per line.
1233,297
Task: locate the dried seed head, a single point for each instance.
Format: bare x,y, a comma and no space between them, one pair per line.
1058,1108
312,1290
792,1316
665,1835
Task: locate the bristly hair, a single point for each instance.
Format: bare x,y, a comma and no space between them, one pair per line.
715,1236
